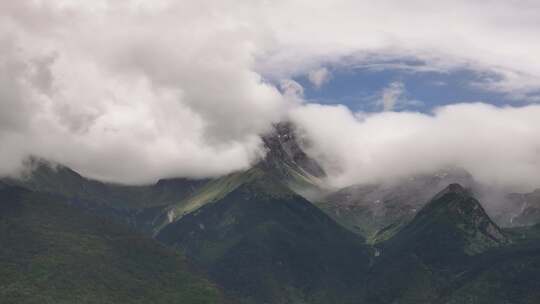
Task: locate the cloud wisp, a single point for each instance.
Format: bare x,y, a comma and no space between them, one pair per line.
319,77
391,95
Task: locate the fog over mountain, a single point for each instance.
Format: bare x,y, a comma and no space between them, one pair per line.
130,91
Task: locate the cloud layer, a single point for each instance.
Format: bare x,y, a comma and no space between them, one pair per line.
131,91
126,93
498,146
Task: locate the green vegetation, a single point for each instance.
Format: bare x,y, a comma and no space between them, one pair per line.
208,193
54,253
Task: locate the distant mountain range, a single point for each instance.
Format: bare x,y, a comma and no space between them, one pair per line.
270,234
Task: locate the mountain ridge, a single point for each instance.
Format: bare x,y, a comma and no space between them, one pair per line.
265,245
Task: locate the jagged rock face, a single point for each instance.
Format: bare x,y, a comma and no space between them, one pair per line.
523,209
284,148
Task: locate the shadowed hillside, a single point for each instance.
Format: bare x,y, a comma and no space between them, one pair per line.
266,244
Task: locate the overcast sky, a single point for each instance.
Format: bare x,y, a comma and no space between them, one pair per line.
133,91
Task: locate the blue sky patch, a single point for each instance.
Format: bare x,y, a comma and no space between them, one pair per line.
361,89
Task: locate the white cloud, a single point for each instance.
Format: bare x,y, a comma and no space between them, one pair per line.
129,91
127,94
292,89
394,97
319,77
498,146
391,95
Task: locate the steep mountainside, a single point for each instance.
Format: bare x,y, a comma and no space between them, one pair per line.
209,193
266,244
437,250
54,253
366,209
285,161
458,216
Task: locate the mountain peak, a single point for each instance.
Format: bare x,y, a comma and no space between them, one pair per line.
261,241
453,189
455,217
287,161
456,188
284,148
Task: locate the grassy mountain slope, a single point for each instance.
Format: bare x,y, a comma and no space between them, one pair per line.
211,192
54,253
266,244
